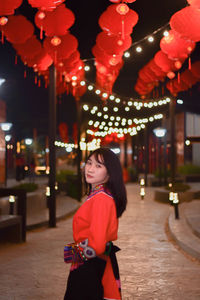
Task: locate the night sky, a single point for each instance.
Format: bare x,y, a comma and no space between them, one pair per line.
27,105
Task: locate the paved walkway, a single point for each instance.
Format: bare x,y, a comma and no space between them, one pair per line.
151,266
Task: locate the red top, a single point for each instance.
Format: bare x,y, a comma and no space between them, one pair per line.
96,220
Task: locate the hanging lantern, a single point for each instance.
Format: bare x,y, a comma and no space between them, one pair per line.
45,4
176,47
156,70
8,7
63,131
162,60
112,44
58,21
30,48
187,23
18,29
111,21
188,78
62,46
39,21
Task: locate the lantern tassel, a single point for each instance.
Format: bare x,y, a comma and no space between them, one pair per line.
123,34
35,79
41,32
189,63
2,36
179,78
39,83
25,74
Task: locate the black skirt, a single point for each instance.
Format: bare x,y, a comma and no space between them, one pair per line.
85,282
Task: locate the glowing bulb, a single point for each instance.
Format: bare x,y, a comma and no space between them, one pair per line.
112,97
126,54
150,39
105,95
86,68
187,142
90,87
165,33
139,49
85,107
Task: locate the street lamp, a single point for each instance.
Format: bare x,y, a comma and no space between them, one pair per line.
28,141
160,133
5,127
2,80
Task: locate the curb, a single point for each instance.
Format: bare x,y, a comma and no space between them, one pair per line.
58,218
182,235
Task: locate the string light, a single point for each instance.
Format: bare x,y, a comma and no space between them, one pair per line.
127,54
166,33
150,39
139,49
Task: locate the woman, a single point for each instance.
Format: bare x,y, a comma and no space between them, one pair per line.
94,273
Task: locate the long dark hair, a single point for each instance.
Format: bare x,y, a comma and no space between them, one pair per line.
115,183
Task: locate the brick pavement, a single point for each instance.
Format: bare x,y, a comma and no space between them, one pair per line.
150,266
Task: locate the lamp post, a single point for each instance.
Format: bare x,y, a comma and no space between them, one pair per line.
160,133
5,127
172,139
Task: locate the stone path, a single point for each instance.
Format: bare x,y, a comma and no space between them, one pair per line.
151,266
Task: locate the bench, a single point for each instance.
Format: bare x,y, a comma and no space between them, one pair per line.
11,228
13,224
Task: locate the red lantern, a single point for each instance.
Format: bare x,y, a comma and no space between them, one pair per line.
45,4
75,133
188,78
111,21
39,21
30,48
58,21
41,61
156,69
176,47
8,7
113,44
18,29
62,48
72,59
63,130
187,23
162,60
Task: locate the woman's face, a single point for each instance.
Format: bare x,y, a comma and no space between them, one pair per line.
95,171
